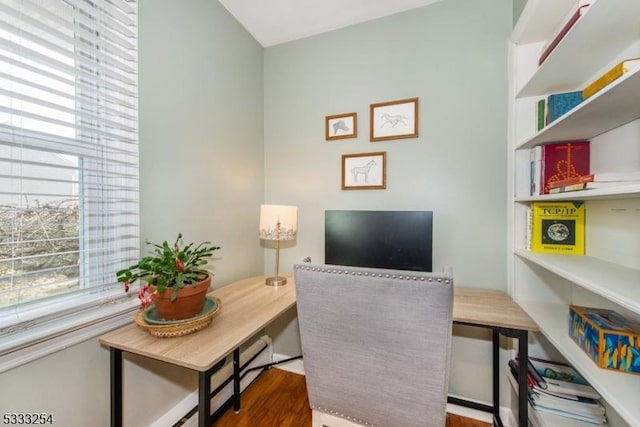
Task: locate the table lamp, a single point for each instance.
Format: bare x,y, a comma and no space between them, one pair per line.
278,222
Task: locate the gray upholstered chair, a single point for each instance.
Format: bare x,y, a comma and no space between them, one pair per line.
376,345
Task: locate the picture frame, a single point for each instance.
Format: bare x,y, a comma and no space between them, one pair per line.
393,120
364,171
341,126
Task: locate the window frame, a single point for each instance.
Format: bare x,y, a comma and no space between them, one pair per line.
104,43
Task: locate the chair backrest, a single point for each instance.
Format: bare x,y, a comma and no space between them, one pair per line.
376,343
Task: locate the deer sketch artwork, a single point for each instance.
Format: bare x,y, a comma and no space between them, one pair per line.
364,170
340,125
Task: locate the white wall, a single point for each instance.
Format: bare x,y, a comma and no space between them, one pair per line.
453,56
201,173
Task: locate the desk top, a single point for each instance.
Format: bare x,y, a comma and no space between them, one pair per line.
489,308
247,306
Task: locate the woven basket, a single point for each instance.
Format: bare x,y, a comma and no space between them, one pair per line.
180,328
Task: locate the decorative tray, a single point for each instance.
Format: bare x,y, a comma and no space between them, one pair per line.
148,318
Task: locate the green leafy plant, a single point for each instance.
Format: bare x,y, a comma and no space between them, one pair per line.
169,267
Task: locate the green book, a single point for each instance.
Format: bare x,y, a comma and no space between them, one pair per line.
541,113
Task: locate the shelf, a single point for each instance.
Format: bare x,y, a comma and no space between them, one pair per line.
540,18
607,33
621,192
620,390
580,54
612,281
613,106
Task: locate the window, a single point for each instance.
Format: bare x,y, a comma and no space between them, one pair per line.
68,166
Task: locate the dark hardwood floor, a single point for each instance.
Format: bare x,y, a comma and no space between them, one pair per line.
278,398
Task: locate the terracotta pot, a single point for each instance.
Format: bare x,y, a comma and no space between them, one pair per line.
188,304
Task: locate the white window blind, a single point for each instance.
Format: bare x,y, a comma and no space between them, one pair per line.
68,165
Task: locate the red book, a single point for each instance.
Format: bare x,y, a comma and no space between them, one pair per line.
563,32
564,160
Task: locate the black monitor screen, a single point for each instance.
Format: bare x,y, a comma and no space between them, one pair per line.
399,240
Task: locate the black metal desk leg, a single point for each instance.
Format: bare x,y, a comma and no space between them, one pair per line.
116,387
523,390
496,376
236,380
204,399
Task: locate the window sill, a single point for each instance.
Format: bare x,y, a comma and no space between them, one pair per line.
29,344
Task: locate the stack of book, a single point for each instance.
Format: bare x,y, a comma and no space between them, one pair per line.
557,161
558,395
593,181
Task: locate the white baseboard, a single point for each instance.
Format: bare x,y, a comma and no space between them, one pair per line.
295,366
176,414
469,413
506,414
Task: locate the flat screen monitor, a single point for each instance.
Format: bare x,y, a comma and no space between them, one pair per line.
398,240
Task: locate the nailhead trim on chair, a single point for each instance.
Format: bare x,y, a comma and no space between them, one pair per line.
359,273
346,417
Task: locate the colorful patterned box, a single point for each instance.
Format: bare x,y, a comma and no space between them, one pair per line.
609,339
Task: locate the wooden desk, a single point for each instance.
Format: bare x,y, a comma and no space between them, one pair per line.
489,308
248,306
496,310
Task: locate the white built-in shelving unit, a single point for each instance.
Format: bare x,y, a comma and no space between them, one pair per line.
609,274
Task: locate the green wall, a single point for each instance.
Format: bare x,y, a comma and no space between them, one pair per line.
201,170
453,56
518,5
201,131
226,125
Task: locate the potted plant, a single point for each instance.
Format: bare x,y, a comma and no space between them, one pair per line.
176,282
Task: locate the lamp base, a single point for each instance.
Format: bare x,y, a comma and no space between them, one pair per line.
275,281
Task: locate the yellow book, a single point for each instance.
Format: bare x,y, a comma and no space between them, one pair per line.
558,227
611,75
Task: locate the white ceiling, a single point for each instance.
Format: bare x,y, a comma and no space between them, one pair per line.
273,22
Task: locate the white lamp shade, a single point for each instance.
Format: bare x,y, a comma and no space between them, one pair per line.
278,222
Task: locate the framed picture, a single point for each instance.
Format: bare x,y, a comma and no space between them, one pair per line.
394,119
364,171
341,126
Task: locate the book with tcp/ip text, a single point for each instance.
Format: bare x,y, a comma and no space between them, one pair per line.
558,227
